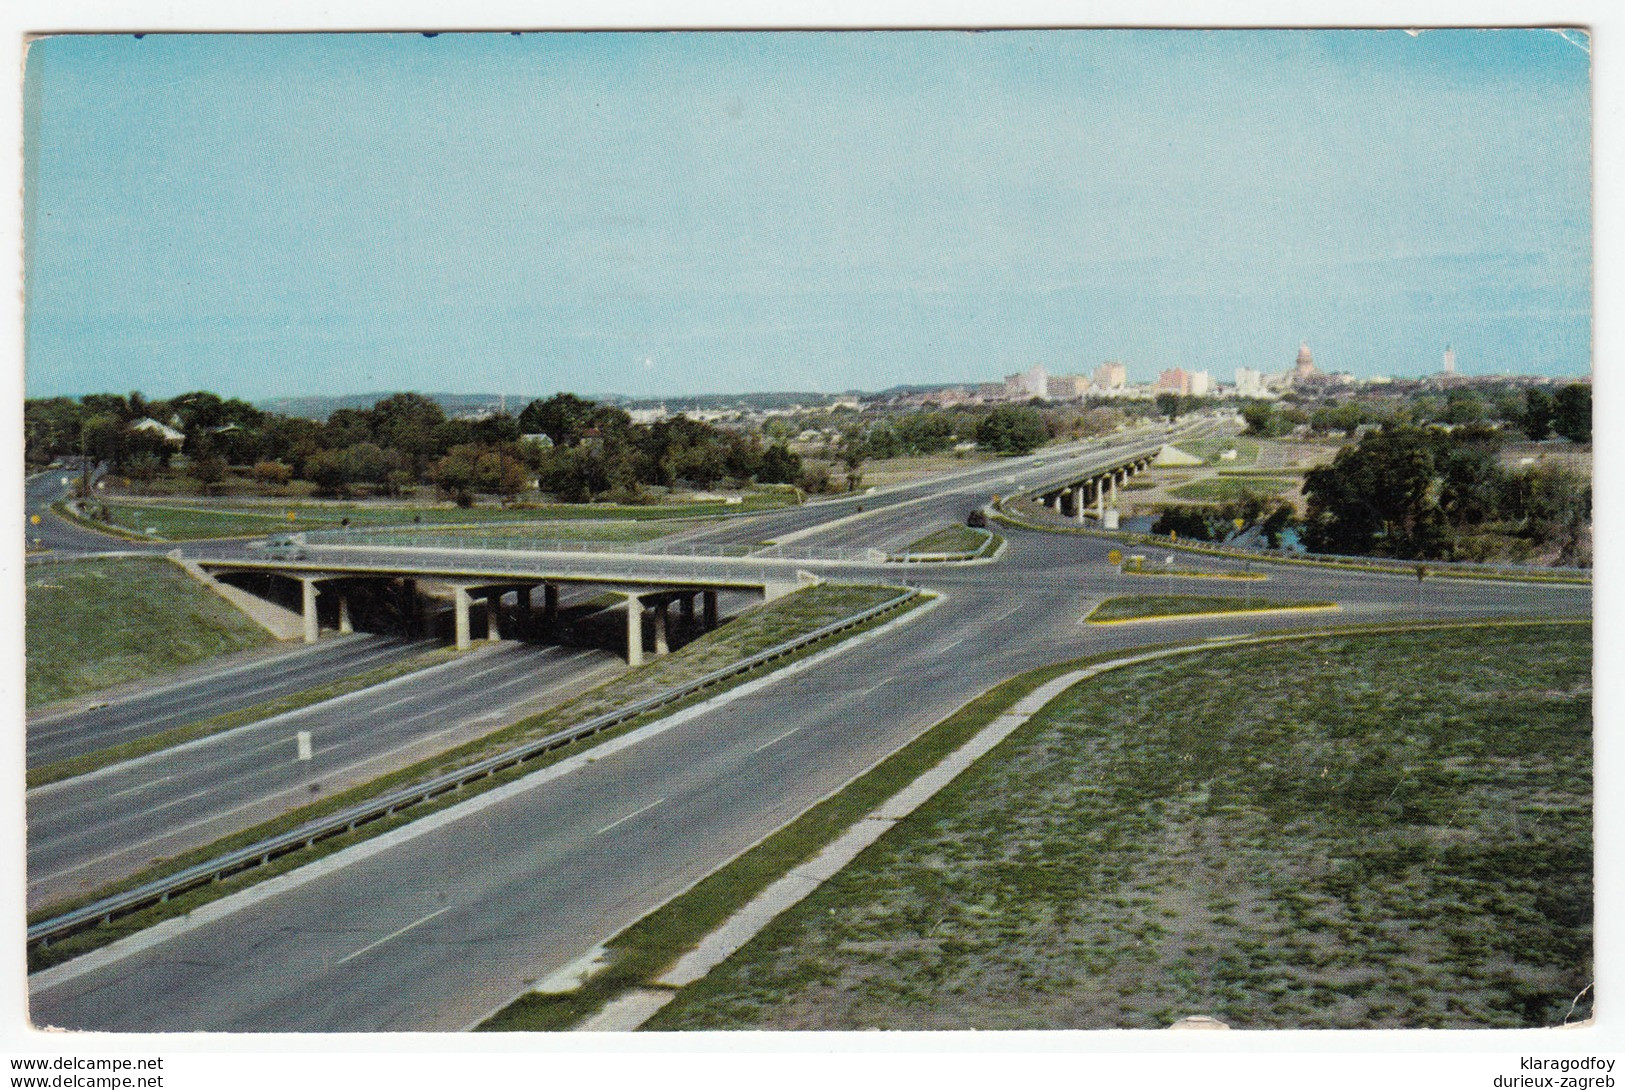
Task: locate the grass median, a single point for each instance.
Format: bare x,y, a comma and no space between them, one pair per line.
1143,607
203,728
92,624
765,627
1405,843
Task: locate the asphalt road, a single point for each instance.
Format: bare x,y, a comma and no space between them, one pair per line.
442,927
85,832
57,534
213,690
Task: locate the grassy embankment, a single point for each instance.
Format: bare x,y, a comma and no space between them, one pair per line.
1138,607
954,540
1404,843
764,627
1231,488
92,624
1209,449
175,521
1136,566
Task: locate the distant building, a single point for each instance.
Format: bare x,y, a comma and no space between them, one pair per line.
1066,387
1111,375
1449,360
1201,383
1305,367
1174,381
648,416
1249,383
1033,382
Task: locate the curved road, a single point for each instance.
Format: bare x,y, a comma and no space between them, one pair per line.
445,920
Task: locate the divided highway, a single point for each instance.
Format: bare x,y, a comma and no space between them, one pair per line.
202,694
93,829
443,921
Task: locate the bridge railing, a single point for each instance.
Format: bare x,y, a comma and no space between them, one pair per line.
531,542
263,851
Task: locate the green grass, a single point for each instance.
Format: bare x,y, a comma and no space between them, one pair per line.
1246,449
528,535
177,521
952,539
643,951
187,732
92,624
764,627
1133,607
1227,489
1404,843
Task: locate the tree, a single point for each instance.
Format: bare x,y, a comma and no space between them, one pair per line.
562,418
1263,420
1011,429
1572,413
780,465
1539,410
853,453
1381,497
1168,405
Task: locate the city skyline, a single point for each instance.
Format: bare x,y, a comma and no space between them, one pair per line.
675,214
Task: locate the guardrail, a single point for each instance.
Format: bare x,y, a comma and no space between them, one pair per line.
486,541
1446,568
988,542
261,852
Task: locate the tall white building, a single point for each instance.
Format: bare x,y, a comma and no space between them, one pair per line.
1449,360
1033,382
1249,383
1111,375
1201,383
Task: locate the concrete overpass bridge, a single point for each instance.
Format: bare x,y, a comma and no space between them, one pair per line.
1075,494
330,577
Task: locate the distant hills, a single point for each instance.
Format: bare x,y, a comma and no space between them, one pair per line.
455,405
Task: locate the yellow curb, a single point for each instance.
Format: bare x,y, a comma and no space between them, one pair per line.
1253,576
1333,608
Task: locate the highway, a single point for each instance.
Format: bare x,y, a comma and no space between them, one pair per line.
451,918
209,690
88,831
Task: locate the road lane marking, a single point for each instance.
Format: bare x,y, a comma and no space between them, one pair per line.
951,646
629,817
391,935
777,740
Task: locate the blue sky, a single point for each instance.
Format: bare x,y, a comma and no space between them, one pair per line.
678,213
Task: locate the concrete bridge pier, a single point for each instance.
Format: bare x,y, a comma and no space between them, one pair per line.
634,630
550,604
662,644
493,607
308,595
345,627
710,610
460,605
685,607
1079,502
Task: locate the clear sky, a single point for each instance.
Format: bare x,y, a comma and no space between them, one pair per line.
679,213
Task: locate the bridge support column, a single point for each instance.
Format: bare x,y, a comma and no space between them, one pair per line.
460,604
1100,497
710,610
685,607
345,627
662,645
634,631
1079,502
493,607
312,628
550,603
1055,503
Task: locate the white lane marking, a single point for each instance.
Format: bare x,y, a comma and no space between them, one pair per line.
207,914
777,740
629,817
391,935
951,646
142,786
1007,614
